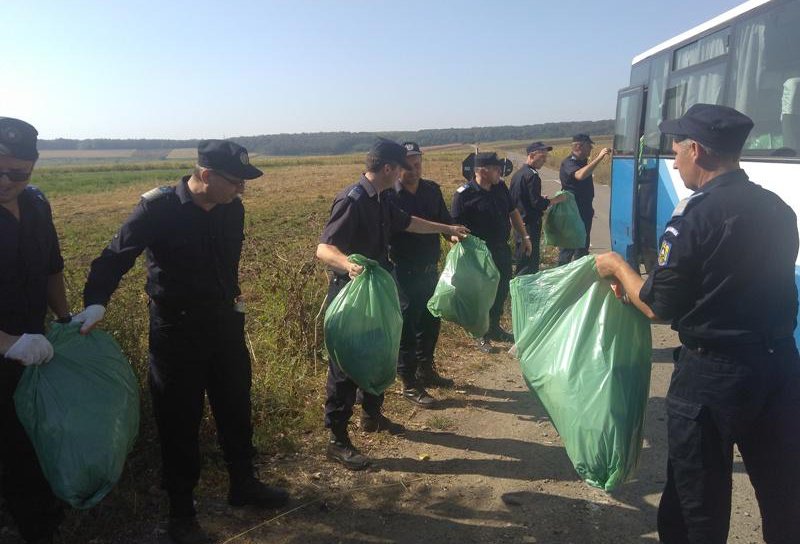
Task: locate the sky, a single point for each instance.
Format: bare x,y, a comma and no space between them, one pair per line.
217,69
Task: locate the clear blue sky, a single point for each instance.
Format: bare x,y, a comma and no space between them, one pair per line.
179,69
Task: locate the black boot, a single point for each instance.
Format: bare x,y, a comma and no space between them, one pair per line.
341,450
497,334
418,397
428,376
186,530
373,423
250,491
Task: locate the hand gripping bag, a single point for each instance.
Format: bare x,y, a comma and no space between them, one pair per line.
587,357
467,286
81,412
563,226
363,324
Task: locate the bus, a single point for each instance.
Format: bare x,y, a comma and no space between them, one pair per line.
747,58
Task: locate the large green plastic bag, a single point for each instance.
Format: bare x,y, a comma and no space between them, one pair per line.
563,226
467,286
363,324
81,412
587,357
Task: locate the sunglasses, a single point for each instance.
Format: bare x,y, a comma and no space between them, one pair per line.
15,175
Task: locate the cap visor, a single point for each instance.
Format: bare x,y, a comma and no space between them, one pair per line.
251,172
410,153
671,126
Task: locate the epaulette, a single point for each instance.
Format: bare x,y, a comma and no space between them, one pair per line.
684,204
463,188
356,192
37,193
157,193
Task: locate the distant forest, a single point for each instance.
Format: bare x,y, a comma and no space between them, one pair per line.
335,143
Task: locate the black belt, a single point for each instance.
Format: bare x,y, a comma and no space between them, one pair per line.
733,345
191,306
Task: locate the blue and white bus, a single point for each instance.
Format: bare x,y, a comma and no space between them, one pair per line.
747,58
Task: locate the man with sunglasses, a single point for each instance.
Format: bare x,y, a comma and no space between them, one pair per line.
193,235
31,280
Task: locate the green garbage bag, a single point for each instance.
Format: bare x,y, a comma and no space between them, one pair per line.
563,226
363,324
467,286
586,356
81,412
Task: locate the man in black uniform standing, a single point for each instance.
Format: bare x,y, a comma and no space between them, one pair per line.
193,235
725,278
362,221
484,205
576,177
31,279
416,257
526,192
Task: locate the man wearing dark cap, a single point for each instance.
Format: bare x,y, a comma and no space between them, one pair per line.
725,279
484,205
362,221
576,177
31,280
416,257
526,192
193,235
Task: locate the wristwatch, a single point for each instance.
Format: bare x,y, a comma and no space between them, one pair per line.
64,320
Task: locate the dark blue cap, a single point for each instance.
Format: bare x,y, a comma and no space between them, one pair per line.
18,139
389,151
412,148
228,157
488,158
538,146
719,127
582,138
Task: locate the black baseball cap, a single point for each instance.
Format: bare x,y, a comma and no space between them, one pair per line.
227,156
389,151
719,127
488,158
583,138
412,148
18,139
538,146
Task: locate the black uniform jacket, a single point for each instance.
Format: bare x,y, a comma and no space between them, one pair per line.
192,254
726,265
418,250
484,213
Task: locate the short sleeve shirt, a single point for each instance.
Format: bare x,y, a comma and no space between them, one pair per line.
726,265
583,189
362,222
486,213
29,254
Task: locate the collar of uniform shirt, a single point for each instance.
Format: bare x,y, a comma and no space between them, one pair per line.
183,192
368,187
535,171
724,179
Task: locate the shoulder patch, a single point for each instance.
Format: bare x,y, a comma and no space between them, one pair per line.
663,253
683,205
462,188
158,192
673,231
356,192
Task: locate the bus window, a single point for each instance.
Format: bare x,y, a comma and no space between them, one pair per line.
710,47
655,103
765,81
629,112
690,87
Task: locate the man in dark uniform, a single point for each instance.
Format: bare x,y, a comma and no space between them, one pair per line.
193,235
362,221
576,177
31,279
484,205
726,279
416,257
526,192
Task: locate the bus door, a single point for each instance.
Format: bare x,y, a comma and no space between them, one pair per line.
624,215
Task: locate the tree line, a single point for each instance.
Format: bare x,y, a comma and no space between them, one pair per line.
336,143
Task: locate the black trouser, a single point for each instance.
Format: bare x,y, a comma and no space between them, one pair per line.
528,264
194,353
29,500
744,396
566,255
341,390
501,255
420,328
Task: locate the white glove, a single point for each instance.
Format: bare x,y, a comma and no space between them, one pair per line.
89,317
31,349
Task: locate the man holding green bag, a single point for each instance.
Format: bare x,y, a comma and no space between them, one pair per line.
31,279
362,222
